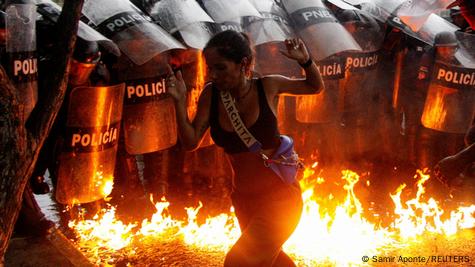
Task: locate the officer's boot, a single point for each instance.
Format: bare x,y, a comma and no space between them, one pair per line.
188,163
128,192
156,166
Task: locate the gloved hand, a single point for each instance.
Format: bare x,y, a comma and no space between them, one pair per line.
467,7
448,171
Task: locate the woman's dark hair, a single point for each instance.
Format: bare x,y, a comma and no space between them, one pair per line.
231,45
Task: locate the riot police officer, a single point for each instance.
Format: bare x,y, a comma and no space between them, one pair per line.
435,143
410,97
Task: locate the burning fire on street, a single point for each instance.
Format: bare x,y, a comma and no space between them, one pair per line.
336,236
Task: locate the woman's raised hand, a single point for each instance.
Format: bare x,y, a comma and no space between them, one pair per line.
175,85
296,50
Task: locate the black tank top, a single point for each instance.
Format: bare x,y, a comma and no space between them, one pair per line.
264,129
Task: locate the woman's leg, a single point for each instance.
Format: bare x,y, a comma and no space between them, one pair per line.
270,221
283,260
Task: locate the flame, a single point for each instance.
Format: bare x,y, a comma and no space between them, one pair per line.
103,234
397,78
417,217
197,88
339,235
108,185
219,232
434,115
326,238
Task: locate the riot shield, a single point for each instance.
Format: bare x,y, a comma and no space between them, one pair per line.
194,75
229,13
360,95
269,61
387,12
357,2
51,10
267,34
149,113
22,59
466,52
377,12
319,29
415,13
382,10
87,160
320,114
342,5
273,26
450,102
431,27
133,31
185,17
325,106
381,7
388,5
361,67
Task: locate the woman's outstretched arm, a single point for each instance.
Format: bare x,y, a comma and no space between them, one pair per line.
190,133
311,84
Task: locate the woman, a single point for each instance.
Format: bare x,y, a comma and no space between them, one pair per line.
268,209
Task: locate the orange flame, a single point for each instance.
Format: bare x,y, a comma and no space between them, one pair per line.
417,217
195,92
336,237
435,109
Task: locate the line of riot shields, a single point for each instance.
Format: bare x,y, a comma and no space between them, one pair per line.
390,95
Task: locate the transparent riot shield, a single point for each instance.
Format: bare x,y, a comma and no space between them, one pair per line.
185,17
377,12
360,95
357,2
320,114
228,14
359,85
267,34
133,31
22,59
226,10
272,26
389,12
149,113
87,160
89,34
319,28
269,61
450,102
51,10
361,67
194,75
324,107
382,10
389,5
415,13
466,52
343,5
431,27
